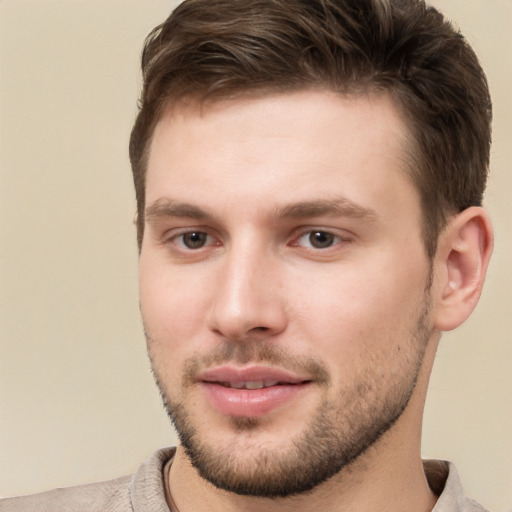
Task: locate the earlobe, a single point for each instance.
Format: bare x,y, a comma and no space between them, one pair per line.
464,250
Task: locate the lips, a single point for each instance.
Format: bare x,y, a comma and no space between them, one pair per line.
251,391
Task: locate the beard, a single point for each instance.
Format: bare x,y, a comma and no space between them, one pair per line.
341,429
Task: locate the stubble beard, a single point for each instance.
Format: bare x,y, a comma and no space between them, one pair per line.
333,438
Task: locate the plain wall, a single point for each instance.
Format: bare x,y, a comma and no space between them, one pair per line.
77,401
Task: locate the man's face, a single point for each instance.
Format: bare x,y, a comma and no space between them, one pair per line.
283,283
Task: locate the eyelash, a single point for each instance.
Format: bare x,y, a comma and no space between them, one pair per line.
178,239
329,238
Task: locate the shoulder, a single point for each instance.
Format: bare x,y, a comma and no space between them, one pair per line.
473,506
109,496
141,492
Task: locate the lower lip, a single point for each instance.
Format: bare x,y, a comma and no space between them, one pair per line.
250,403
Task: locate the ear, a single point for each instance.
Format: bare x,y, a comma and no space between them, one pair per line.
464,250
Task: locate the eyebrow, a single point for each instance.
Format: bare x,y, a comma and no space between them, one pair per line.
170,208
339,207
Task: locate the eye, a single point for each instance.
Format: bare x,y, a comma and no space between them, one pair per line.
193,240
318,239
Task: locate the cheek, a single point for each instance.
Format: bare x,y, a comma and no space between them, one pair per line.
360,312
168,322
171,303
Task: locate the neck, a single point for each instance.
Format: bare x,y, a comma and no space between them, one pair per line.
354,488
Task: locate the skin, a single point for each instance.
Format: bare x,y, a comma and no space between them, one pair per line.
258,176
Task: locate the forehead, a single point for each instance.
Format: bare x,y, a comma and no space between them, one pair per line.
301,112
282,147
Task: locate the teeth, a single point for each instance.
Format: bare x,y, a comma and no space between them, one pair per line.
256,384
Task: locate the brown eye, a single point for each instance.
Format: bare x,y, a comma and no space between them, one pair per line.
194,239
321,239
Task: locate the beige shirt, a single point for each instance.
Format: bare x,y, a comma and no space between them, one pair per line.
144,491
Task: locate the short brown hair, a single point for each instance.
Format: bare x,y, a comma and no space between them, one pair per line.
213,49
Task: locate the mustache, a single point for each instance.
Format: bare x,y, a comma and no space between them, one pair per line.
240,353
255,352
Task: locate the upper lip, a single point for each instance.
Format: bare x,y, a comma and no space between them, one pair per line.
236,375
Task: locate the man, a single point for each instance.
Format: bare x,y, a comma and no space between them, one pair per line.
309,177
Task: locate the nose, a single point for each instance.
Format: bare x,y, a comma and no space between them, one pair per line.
248,302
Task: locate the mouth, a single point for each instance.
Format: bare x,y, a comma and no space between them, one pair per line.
255,384
251,391
252,377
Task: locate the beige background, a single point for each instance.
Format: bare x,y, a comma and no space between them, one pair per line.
77,402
